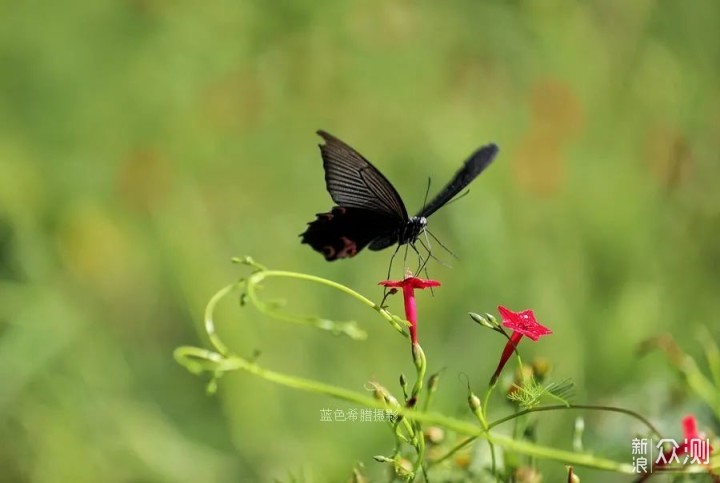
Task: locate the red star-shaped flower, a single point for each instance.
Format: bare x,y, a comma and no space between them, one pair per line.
522,323
409,284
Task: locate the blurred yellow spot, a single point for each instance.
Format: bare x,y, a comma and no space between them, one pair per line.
144,179
556,118
22,184
384,23
556,109
667,155
234,102
462,460
538,167
96,250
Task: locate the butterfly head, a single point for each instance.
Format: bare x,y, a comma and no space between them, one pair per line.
411,231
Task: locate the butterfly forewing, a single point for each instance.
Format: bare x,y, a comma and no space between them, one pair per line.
474,165
355,183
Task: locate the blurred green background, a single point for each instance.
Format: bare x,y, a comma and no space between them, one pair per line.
144,143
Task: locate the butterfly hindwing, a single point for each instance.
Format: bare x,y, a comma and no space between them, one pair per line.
470,170
343,232
384,241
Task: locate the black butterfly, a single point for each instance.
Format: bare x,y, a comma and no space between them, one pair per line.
370,210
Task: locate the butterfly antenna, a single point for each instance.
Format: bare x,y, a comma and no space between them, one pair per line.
391,261
428,248
427,276
441,244
430,255
427,192
386,291
421,261
423,267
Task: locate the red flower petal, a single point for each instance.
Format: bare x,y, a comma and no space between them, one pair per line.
523,322
422,282
413,282
689,424
391,283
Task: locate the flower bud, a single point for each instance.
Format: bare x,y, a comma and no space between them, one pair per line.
382,394
418,356
526,474
434,434
485,320
474,402
572,477
404,469
433,382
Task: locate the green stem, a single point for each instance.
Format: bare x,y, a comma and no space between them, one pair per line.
486,427
578,406
249,261
712,354
628,412
700,384
453,450
225,364
218,362
258,276
208,317
419,447
420,363
430,390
